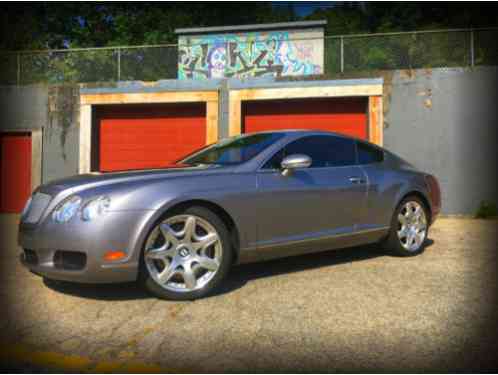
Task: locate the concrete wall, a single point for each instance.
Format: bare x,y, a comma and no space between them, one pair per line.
23,108
61,133
54,110
445,121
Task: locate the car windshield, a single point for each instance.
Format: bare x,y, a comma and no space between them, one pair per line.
234,150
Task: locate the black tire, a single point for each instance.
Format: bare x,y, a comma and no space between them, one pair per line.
226,261
393,243
51,282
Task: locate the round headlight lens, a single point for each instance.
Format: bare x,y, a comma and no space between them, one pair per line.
67,209
95,207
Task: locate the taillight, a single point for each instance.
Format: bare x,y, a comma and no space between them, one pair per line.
434,194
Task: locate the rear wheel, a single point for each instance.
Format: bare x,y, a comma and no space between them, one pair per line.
187,255
409,228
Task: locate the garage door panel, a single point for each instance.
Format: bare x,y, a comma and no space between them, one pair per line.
15,171
342,115
307,106
140,137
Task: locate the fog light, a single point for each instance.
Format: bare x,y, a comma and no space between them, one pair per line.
114,255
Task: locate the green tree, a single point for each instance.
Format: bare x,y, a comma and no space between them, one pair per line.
342,20
50,25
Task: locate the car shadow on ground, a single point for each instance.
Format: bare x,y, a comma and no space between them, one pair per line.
242,274
238,277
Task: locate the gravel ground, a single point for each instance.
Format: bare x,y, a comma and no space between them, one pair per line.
349,310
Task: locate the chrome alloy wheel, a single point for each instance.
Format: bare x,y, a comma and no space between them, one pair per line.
183,253
412,226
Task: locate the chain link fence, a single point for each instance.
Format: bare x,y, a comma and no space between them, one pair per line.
343,54
424,49
147,63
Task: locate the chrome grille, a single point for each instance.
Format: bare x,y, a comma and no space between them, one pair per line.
39,203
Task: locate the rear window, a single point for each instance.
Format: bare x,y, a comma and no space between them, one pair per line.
368,154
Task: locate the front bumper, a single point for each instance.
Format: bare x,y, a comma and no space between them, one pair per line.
119,230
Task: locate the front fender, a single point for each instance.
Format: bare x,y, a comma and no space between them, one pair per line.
237,204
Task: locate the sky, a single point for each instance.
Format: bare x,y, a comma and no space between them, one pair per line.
303,8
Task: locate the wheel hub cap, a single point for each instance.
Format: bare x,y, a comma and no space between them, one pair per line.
183,253
412,226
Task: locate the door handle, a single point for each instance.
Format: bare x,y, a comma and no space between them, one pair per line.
356,180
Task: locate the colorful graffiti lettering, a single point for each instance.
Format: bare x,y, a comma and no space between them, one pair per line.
247,55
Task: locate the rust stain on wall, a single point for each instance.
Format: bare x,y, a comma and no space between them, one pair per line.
63,110
408,74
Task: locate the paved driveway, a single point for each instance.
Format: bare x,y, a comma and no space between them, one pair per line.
346,310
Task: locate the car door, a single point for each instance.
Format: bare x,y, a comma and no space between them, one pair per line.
322,200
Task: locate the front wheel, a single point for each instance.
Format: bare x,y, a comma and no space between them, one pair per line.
409,228
187,255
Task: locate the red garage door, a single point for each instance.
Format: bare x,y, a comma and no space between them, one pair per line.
15,171
341,115
148,136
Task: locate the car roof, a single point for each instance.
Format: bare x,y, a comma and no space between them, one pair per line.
294,131
303,132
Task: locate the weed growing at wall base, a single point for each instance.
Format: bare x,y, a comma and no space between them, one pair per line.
486,210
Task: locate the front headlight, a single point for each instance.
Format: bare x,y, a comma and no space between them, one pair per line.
65,211
95,208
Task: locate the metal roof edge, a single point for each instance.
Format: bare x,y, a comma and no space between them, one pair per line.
253,27
216,84
155,86
236,84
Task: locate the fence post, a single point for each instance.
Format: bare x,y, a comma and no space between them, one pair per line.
342,54
119,64
472,47
18,75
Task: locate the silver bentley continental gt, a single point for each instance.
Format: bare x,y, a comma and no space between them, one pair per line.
179,229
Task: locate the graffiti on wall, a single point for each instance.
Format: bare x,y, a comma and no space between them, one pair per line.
248,55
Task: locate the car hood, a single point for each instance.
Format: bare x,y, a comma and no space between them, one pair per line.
91,180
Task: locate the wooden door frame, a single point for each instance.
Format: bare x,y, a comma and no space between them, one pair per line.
371,91
89,100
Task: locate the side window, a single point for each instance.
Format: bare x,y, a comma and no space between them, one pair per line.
368,154
275,160
324,151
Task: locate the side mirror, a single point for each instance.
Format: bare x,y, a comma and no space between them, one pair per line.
294,161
